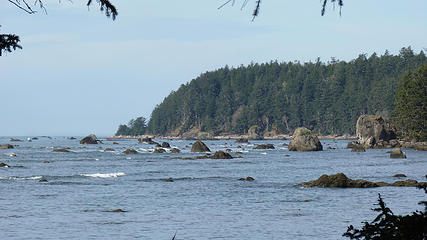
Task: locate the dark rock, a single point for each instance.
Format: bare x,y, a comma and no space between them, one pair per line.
149,141
175,150
165,145
90,139
4,165
157,145
46,161
115,143
370,130
116,210
406,183
339,180
168,180
43,180
358,148
247,179
159,150
397,153
304,140
242,140
61,150
228,150
34,138
199,146
72,138
221,155
130,151
331,148
265,146
6,146
15,140
352,144
400,175
109,150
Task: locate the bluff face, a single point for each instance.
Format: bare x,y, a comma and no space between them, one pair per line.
279,97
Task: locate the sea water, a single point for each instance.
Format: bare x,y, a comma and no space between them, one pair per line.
204,200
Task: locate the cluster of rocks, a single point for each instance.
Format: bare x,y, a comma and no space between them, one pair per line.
340,180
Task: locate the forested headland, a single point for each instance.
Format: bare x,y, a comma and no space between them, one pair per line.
279,97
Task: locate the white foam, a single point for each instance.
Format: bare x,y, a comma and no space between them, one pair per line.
22,178
264,153
104,175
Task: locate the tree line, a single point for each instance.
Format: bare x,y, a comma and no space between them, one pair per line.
279,97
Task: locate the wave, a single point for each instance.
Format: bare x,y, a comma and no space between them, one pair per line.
21,178
104,175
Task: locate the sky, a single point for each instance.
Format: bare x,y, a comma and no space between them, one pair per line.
80,72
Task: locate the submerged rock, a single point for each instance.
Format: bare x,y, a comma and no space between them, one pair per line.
15,140
61,150
358,148
399,175
247,179
199,146
109,150
397,153
90,139
265,146
130,151
159,150
175,150
6,146
304,140
115,143
221,155
119,210
4,165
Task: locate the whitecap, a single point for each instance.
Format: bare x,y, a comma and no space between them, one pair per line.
22,178
104,175
264,153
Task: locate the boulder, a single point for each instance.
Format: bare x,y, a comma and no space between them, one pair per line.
221,155
370,130
61,150
109,150
399,175
175,150
339,180
4,165
130,151
115,143
199,146
165,145
265,146
159,150
397,153
90,139
358,148
148,140
6,146
304,140
15,140
254,133
352,144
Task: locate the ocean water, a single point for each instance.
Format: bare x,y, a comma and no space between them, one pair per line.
205,200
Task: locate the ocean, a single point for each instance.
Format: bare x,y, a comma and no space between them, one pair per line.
163,194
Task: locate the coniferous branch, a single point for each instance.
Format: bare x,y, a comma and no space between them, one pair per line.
9,42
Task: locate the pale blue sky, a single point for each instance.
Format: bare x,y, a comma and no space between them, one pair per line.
81,73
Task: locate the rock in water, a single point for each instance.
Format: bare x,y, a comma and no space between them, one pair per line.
4,165
358,148
199,146
370,130
264,146
130,151
165,145
397,153
6,146
304,140
246,179
221,155
91,139
60,150
159,150
175,150
339,180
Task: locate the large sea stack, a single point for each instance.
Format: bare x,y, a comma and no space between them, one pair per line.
371,131
304,140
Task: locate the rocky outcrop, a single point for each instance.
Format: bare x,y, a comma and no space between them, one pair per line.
221,155
15,140
90,139
304,140
199,146
399,175
397,153
264,146
340,180
165,145
148,141
130,151
6,146
242,140
253,133
371,130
